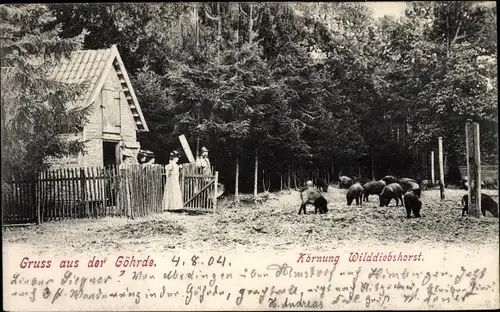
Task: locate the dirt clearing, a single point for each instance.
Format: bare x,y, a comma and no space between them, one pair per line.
273,225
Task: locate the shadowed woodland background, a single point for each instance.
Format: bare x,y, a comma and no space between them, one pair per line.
303,85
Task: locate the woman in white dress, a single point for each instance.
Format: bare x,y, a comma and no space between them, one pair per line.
172,196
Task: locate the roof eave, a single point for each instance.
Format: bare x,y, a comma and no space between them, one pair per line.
116,54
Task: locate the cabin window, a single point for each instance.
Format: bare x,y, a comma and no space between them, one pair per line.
111,109
114,115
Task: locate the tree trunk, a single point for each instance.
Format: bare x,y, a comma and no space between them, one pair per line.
181,35
295,178
250,24
454,174
256,172
219,31
197,146
373,170
263,181
196,26
237,31
237,180
334,177
198,136
289,184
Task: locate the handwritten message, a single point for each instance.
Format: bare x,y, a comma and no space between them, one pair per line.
341,280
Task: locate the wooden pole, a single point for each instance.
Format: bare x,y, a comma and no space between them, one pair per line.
182,178
256,173
473,168
433,178
216,189
237,182
441,166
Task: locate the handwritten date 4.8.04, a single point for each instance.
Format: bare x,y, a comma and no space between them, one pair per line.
197,260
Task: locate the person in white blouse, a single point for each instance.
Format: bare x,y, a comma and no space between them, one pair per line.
203,162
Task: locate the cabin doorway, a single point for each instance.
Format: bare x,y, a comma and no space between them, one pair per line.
111,157
110,153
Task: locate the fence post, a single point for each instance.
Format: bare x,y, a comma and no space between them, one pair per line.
216,185
473,168
183,173
35,199
441,166
433,177
83,187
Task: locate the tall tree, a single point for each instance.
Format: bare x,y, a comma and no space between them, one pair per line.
445,74
36,112
308,84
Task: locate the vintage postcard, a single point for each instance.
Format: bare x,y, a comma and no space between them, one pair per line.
250,156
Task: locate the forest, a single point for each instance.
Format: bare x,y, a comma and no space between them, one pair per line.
287,86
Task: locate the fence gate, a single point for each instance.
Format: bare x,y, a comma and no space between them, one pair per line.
199,191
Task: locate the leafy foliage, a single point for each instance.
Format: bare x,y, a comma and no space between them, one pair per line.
304,84
36,112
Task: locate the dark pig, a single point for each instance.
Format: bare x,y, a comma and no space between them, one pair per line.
355,192
487,204
362,181
322,185
405,180
412,204
411,186
312,196
390,179
424,184
320,204
373,188
345,182
464,184
390,191
490,183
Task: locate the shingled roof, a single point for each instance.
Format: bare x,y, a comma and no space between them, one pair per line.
91,67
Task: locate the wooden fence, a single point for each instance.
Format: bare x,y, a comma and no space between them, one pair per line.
487,171
91,192
141,193
18,199
200,190
95,192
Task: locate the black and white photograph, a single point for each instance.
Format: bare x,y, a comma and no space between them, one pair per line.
195,130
